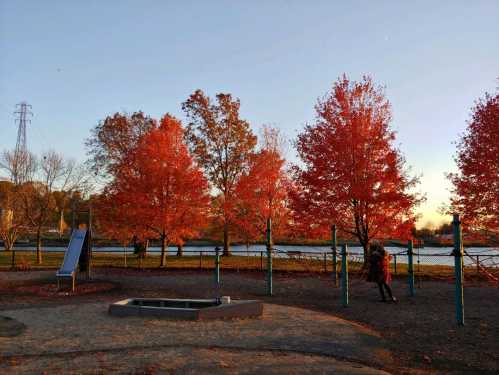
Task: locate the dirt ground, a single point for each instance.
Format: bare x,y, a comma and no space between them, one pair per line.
180,361
420,332
85,332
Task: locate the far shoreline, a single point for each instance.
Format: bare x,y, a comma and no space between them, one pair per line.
98,243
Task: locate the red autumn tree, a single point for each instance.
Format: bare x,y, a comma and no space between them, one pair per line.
112,139
161,187
262,192
222,143
476,185
115,219
353,175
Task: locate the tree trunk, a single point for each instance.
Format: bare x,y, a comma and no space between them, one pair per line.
247,252
141,250
13,260
146,247
164,247
365,247
180,250
226,251
61,223
39,246
9,238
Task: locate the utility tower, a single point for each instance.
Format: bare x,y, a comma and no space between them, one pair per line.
21,162
22,113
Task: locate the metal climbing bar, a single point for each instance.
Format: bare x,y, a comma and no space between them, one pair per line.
344,275
334,254
269,257
458,269
410,267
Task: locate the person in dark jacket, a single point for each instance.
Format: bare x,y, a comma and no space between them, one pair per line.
379,270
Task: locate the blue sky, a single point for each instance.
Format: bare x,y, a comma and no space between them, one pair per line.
76,62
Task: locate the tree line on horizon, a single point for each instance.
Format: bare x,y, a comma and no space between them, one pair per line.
214,177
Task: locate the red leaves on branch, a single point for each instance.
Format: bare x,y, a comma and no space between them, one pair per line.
222,143
112,139
262,192
158,190
352,175
476,186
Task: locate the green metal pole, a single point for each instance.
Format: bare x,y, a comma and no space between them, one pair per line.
217,265
335,260
458,269
344,275
410,267
269,257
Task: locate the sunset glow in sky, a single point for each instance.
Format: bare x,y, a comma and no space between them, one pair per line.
76,62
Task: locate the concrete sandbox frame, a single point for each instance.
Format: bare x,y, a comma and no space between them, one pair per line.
187,309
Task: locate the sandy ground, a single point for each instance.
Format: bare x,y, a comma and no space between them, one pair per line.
420,332
184,360
87,328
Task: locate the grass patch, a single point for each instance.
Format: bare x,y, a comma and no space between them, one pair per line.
26,260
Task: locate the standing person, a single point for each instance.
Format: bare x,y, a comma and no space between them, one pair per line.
379,270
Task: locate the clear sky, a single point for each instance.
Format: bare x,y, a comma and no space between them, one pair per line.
77,61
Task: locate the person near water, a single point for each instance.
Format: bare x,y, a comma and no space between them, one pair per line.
379,270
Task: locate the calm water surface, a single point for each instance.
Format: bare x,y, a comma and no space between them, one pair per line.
427,255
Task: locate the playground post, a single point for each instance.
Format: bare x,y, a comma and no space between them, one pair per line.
269,256
458,269
217,266
335,261
344,275
410,267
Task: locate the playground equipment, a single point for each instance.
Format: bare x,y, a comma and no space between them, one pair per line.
334,255
72,257
344,275
458,269
410,267
79,251
269,258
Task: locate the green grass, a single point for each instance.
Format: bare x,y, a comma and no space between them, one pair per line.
27,260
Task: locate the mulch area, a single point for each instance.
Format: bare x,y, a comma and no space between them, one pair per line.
421,331
25,286
51,290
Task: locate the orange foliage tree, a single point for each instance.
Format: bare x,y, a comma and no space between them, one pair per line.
115,219
222,143
476,186
262,192
159,189
352,174
112,139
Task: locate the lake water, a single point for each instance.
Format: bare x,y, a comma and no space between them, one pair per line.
427,255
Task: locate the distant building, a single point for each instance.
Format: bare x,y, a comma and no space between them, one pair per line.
444,239
6,217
